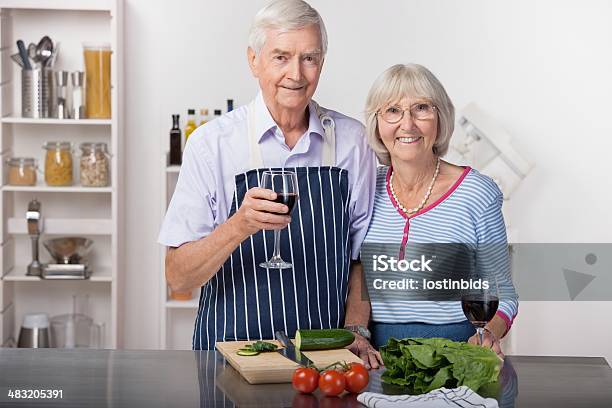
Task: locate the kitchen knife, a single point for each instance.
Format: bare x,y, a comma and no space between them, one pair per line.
290,352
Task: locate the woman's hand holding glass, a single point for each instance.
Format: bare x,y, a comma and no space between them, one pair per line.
489,340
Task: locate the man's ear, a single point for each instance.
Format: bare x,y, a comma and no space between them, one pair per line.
252,59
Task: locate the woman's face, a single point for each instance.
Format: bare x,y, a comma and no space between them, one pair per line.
410,139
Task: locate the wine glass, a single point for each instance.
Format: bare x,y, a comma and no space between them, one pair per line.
284,184
480,305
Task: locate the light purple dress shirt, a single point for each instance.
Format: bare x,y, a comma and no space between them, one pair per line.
218,150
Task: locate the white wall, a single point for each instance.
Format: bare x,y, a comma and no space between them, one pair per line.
541,69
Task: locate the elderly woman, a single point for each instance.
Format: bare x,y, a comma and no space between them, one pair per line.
421,199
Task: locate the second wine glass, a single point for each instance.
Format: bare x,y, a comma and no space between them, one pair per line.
284,184
480,306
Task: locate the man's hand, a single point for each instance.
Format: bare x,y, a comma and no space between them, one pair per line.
364,350
258,212
489,340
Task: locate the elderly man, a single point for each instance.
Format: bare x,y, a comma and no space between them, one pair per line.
219,223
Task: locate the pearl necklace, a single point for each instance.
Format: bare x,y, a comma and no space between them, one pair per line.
420,207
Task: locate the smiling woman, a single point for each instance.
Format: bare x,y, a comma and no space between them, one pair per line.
421,199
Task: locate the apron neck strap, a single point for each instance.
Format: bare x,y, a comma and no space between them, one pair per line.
329,141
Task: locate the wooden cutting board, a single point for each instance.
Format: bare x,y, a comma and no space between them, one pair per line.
272,367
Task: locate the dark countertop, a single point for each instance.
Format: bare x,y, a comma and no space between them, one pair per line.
124,378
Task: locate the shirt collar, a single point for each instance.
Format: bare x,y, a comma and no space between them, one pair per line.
264,121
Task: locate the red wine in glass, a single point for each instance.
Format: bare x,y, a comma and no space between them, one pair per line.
478,309
289,199
284,183
480,306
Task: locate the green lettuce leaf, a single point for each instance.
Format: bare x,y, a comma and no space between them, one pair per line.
422,365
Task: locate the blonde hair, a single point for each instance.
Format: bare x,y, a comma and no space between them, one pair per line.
403,80
285,15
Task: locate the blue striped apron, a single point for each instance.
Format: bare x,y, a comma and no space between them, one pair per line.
244,301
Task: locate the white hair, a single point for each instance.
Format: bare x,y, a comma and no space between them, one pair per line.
398,82
285,15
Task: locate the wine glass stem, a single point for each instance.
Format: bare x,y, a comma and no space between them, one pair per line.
276,245
480,331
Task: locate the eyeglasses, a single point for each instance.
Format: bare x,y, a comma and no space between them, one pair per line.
418,111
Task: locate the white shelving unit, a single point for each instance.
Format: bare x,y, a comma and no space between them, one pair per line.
177,316
51,121
95,213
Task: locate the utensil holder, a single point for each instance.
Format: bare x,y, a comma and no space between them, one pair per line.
38,96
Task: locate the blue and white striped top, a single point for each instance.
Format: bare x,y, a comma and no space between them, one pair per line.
469,212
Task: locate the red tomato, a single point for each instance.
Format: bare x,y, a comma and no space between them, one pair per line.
357,378
358,366
305,380
331,383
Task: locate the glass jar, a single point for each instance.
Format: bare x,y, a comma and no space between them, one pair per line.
94,165
21,171
58,163
97,80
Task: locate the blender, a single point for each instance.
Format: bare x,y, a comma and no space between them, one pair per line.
76,330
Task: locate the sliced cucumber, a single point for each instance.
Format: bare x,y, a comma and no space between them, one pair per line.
247,352
324,339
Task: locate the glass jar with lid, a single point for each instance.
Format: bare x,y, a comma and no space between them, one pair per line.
94,165
21,171
58,163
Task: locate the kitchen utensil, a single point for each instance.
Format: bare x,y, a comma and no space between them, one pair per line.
44,49
69,255
34,220
273,367
61,81
78,103
289,350
68,250
51,61
17,58
34,331
24,55
76,329
37,93
32,51
65,271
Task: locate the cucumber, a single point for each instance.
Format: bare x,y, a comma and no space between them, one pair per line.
247,352
324,339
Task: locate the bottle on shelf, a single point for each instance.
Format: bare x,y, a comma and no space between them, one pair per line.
217,113
175,141
203,116
191,123
230,105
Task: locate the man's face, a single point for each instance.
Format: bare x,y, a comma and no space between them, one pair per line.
288,67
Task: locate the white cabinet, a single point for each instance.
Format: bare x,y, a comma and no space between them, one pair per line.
95,213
